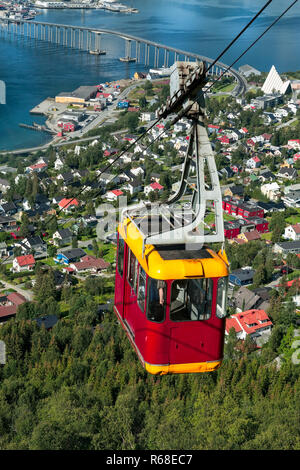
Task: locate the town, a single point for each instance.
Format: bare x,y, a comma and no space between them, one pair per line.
52,201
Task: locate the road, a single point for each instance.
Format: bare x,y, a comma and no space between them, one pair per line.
286,124
28,294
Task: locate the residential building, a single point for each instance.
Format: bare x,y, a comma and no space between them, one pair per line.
62,237
253,162
67,205
69,256
90,264
288,173
245,299
23,263
254,323
241,277
285,248
249,236
153,187
292,199
292,232
271,191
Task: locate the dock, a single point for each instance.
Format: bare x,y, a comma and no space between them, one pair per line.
37,127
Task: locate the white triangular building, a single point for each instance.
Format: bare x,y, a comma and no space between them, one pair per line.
274,83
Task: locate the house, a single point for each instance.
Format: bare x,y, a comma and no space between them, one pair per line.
23,263
266,175
153,187
34,244
62,237
247,237
270,207
8,208
260,224
245,299
231,229
7,312
271,191
90,264
69,256
253,162
292,232
133,186
7,223
288,173
254,323
113,195
285,248
241,277
47,322
236,191
147,116
3,250
67,205
59,162
292,199
4,185
15,298
36,168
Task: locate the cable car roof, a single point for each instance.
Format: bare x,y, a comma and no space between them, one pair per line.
173,261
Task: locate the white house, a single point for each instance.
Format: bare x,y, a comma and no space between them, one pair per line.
153,187
113,195
292,232
253,162
271,191
23,263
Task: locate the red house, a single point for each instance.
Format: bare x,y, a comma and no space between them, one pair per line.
261,224
231,229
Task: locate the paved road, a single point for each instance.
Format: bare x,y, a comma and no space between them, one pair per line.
28,294
286,124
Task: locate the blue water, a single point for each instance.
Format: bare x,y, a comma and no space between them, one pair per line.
34,71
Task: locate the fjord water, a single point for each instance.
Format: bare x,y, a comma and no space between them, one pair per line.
33,70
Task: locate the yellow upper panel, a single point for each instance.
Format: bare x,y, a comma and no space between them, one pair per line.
159,268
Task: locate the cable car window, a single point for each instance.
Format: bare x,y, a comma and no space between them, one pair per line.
142,289
222,297
191,299
156,307
132,270
121,256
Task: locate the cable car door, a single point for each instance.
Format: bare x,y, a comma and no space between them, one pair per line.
120,277
131,292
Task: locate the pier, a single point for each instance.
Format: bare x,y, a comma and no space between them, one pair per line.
88,40
37,127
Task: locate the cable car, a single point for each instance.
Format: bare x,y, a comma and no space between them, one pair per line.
171,286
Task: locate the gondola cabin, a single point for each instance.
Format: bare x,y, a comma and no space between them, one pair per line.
171,302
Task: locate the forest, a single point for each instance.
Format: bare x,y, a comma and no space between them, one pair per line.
79,386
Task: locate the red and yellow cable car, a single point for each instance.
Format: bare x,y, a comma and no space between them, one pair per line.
171,288
171,303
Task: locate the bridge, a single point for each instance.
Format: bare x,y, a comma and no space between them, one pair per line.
89,40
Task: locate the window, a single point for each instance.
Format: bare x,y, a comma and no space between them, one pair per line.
191,299
156,307
142,289
132,270
222,297
121,256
